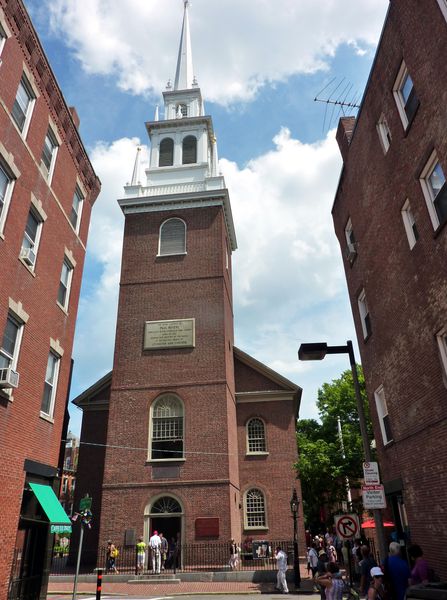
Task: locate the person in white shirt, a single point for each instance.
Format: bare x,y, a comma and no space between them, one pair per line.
155,546
281,563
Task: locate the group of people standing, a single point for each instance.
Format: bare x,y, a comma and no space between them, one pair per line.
162,553
387,581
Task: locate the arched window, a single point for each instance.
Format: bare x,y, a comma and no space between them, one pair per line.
189,153
172,238
167,417
165,505
182,109
166,158
256,435
254,509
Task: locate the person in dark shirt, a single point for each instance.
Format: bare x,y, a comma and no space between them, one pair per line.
397,573
366,564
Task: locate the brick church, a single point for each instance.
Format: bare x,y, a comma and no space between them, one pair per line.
188,434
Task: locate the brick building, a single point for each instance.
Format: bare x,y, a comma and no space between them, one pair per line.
390,214
47,189
68,475
200,436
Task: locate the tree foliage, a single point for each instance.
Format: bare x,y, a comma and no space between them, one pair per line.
323,464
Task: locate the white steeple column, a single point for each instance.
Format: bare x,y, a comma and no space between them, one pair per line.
184,74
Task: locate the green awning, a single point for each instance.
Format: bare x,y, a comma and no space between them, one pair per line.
58,518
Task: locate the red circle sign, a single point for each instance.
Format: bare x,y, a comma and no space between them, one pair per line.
347,526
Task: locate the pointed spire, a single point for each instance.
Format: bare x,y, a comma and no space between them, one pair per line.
156,116
184,74
136,169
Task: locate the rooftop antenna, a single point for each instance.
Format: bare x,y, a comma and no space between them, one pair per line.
339,95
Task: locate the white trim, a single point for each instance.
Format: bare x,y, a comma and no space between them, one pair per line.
397,93
244,504
70,266
382,412
427,189
408,220
17,309
33,244
151,412
384,133
443,7
247,437
57,360
27,82
14,357
81,197
363,312
56,347
265,396
48,173
441,338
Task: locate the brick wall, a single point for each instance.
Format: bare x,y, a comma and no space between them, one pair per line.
405,289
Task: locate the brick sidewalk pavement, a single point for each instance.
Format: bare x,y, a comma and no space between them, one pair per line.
144,590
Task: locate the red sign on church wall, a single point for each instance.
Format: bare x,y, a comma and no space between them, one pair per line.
207,527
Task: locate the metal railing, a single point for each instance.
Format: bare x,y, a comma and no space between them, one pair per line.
206,556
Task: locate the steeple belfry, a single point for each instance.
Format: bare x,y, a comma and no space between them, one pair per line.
184,75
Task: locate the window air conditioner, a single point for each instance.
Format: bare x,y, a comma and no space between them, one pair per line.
8,378
28,255
351,252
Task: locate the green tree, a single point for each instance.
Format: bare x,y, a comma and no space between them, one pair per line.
322,464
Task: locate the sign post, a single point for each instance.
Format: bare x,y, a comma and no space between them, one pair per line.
85,517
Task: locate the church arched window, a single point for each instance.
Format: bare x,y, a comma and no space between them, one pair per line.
256,436
254,504
189,150
172,239
166,158
166,428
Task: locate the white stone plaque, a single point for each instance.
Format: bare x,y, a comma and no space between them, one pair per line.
175,333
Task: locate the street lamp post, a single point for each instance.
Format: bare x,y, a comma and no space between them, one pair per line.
294,505
317,351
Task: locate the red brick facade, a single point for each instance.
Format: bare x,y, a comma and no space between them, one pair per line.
221,389
30,440
402,271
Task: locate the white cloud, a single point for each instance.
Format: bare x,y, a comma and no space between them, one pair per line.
238,45
288,280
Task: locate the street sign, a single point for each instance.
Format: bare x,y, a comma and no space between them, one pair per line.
85,504
347,526
373,496
371,473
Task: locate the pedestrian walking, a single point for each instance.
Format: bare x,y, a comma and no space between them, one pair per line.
420,573
111,556
234,554
366,564
312,559
376,590
281,564
164,547
396,573
332,582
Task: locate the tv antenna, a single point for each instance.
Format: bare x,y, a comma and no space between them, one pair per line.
339,96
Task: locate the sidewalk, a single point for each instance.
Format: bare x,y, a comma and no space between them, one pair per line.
144,590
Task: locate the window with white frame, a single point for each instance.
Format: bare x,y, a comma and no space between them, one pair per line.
382,413
255,517
172,239
405,96
410,224
167,426
76,209
441,338
63,294
384,133
49,153
50,385
189,150
181,109
10,348
23,105
443,7
364,315
256,436
435,190
166,153
31,239
2,38
64,485
6,186
351,244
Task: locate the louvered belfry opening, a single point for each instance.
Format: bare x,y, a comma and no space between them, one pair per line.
166,152
189,150
172,237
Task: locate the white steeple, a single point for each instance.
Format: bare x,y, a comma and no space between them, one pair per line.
136,169
184,75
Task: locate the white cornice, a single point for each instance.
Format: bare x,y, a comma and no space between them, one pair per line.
146,204
265,396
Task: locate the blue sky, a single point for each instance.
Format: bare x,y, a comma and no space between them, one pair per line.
259,66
